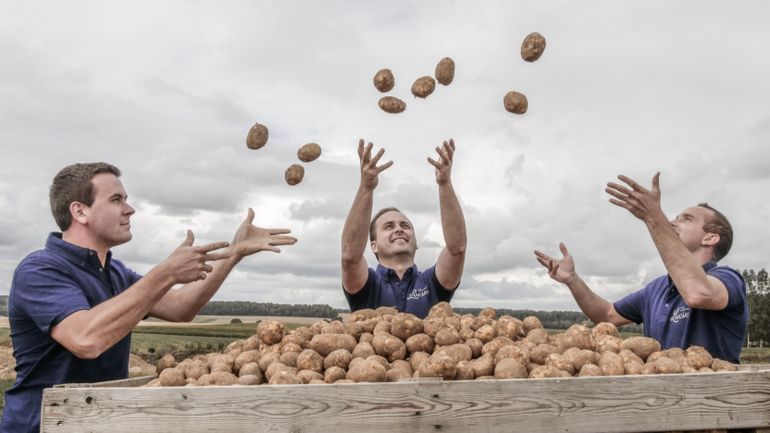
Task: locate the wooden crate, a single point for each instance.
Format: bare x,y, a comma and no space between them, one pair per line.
734,400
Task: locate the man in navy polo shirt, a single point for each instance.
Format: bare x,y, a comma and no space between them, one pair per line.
72,306
396,282
697,303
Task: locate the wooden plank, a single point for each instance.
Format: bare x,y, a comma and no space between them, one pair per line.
585,404
130,382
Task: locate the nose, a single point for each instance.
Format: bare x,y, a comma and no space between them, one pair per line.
129,210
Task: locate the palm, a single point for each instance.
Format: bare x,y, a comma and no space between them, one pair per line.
560,270
250,239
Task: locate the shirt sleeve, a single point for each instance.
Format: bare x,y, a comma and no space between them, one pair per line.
632,306
733,281
364,298
442,294
47,294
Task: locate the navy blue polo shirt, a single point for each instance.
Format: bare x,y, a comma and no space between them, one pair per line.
49,285
416,293
668,319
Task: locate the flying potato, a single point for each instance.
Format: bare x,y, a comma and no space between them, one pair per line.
309,152
384,81
391,104
515,102
257,136
532,47
294,174
445,71
423,86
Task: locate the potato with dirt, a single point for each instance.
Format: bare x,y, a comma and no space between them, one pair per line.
405,325
309,152
171,377
515,102
368,370
384,80
445,71
419,343
438,365
325,344
294,174
509,368
423,87
270,331
257,136
391,104
641,346
532,47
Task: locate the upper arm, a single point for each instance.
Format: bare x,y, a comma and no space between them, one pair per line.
616,318
449,268
354,275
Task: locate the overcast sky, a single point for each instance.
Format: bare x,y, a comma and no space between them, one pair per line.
168,90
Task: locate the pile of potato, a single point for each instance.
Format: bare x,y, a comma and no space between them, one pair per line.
384,345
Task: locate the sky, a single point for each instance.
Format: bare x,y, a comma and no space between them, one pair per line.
167,91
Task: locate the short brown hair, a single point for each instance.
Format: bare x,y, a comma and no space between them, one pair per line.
373,224
719,224
73,183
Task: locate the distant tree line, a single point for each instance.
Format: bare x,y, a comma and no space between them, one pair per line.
758,292
3,305
245,308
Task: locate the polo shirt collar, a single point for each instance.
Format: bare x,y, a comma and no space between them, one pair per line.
390,274
74,253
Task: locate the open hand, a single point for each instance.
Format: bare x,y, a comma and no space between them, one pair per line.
444,163
641,202
250,239
370,171
562,270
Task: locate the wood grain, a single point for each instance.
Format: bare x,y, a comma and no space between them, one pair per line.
586,404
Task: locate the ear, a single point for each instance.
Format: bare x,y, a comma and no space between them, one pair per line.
79,212
373,245
710,239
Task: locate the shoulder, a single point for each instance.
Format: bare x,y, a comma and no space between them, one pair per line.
41,259
731,278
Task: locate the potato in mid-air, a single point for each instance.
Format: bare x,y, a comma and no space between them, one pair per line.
257,136
445,71
391,104
309,152
532,47
384,81
294,174
423,86
515,102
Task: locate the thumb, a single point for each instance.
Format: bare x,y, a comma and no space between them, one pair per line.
563,249
656,182
250,216
189,239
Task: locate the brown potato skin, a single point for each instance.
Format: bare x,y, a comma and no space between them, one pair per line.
384,80
515,102
423,87
445,71
257,136
171,377
294,174
309,152
391,104
532,47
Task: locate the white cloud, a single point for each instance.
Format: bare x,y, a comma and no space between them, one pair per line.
167,91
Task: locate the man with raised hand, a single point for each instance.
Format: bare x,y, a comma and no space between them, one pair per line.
697,303
72,306
396,281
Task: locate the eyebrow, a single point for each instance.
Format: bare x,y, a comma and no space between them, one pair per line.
119,195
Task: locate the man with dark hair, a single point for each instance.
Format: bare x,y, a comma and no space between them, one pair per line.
697,303
72,306
396,281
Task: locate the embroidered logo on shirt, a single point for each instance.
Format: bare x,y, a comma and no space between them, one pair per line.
418,293
680,313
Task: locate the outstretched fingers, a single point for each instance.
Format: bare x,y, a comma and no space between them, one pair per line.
282,240
384,167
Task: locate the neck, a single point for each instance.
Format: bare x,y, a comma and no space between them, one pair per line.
399,263
703,256
82,239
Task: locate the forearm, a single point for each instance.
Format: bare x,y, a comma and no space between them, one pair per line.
685,270
89,333
183,304
452,220
594,306
356,229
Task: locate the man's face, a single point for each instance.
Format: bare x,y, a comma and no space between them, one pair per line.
689,226
109,215
394,235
